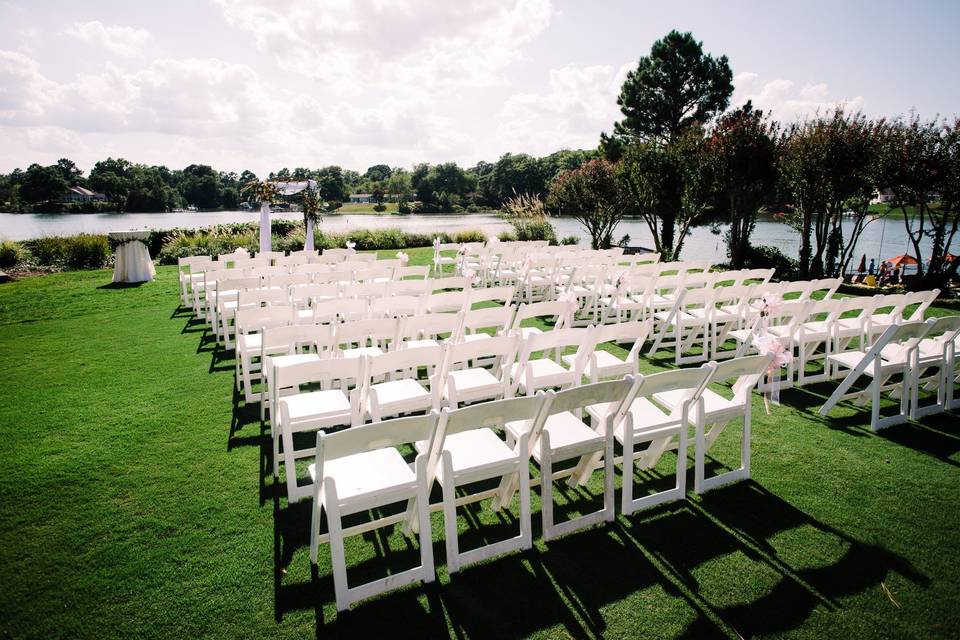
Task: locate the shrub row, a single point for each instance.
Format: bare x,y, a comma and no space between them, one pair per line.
84,251
227,238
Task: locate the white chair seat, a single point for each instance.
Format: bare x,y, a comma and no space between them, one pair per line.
304,314
287,360
362,351
417,344
605,359
472,380
382,472
399,391
544,371
473,337
568,435
474,452
317,405
713,403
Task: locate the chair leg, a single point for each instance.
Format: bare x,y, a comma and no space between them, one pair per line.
450,518
546,491
337,553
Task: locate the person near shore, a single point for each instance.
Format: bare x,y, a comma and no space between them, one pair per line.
872,269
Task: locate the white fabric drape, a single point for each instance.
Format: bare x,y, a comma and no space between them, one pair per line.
265,240
133,263
308,243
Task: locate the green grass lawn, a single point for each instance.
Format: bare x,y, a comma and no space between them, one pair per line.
136,501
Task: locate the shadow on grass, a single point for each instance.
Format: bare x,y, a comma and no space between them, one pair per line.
122,285
570,581
930,435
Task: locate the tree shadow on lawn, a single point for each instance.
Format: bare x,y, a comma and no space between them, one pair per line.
929,435
753,515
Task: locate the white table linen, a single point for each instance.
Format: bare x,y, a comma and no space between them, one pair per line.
132,259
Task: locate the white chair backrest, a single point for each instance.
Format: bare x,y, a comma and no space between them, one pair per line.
619,393
559,309
692,381
260,318
381,331
448,301
503,295
396,306
325,371
417,271
292,338
500,318
746,371
430,326
379,435
404,361
923,300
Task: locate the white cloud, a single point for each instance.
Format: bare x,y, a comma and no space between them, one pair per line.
580,103
123,41
784,101
396,45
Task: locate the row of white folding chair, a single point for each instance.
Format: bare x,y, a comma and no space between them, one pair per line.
396,320
360,469
904,358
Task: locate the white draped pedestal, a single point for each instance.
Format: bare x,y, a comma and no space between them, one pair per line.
132,259
265,238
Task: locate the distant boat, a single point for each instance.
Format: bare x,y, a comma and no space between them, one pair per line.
191,207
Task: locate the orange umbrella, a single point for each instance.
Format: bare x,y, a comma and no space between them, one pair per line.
903,260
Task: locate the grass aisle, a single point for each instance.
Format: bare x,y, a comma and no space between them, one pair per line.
134,502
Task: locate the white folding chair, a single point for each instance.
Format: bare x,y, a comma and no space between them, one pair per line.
328,403
251,324
466,381
564,436
400,390
535,369
472,452
649,421
604,364
685,324
285,345
891,355
360,470
560,311
935,367
715,411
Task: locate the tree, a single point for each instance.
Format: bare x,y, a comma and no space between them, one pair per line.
399,184
592,195
378,194
331,185
829,165
669,186
675,86
744,165
42,184
111,178
69,171
918,161
378,173
200,186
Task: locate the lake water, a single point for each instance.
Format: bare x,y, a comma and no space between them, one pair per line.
881,239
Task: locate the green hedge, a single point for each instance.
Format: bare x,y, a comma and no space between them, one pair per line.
84,251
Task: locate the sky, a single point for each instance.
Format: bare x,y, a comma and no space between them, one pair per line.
265,84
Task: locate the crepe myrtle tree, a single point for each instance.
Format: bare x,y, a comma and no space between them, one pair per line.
591,194
670,187
743,150
919,161
828,163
